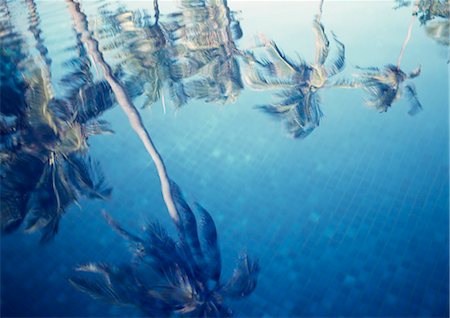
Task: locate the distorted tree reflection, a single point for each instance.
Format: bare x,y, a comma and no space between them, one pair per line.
297,81
430,9
426,10
145,52
44,141
433,15
190,53
169,277
207,34
182,272
386,85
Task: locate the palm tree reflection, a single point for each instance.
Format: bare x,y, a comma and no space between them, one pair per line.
171,277
187,54
44,140
146,54
430,9
386,85
434,15
298,81
47,169
208,33
427,10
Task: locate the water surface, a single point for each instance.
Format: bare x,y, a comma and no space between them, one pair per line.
350,220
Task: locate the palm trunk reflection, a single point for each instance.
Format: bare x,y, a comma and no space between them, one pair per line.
167,277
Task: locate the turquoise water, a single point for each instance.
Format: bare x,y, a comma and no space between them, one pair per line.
351,220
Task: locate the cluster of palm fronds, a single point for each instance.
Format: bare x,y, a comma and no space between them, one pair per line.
402,3
192,54
44,138
208,33
386,85
298,81
435,14
147,58
186,54
45,167
171,277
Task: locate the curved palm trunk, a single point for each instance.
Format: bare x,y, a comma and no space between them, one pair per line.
408,34
123,99
319,15
405,43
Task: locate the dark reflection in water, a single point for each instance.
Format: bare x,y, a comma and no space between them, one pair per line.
385,86
44,138
171,277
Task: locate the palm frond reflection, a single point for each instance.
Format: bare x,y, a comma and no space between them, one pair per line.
297,81
190,53
171,277
45,167
387,85
208,34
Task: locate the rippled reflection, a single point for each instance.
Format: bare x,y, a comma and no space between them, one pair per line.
44,138
433,15
439,31
208,31
146,54
430,9
188,54
172,277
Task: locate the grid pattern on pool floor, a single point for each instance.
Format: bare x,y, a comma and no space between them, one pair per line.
351,221
349,236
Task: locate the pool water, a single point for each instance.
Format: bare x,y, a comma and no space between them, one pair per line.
349,220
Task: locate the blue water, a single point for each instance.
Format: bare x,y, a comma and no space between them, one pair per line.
350,221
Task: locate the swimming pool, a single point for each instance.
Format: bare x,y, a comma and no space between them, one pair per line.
345,206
